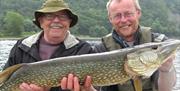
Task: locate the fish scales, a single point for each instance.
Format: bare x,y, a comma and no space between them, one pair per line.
49,73
105,68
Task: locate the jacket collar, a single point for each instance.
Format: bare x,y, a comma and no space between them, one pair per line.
69,41
118,39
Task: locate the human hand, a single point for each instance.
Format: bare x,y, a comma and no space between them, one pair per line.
167,75
168,65
32,87
72,83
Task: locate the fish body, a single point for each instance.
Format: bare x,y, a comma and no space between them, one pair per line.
106,68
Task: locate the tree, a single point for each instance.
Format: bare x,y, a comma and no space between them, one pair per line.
13,24
98,31
29,26
161,15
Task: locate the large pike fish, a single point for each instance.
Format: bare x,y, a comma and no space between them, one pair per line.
106,68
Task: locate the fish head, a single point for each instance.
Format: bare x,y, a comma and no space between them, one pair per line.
146,60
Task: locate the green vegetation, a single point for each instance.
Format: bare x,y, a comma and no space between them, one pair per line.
13,24
16,17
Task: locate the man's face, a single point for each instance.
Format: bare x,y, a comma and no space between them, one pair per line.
124,17
55,25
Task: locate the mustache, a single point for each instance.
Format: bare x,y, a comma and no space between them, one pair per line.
124,25
56,25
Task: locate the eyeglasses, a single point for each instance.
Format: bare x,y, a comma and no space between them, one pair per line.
62,17
118,16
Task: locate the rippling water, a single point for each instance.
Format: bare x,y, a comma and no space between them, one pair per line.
6,45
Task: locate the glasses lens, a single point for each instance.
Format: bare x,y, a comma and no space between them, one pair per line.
53,16
49,16
118,16
63,17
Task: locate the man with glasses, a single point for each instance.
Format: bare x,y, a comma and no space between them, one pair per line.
55,19
124,16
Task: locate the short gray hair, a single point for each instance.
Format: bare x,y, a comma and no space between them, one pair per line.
135,1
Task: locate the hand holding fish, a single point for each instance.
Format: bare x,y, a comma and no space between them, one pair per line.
167,75
168,65
72,83
32,87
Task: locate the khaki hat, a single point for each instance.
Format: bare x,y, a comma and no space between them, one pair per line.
51,6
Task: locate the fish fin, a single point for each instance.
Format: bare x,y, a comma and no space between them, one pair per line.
137,84
4,75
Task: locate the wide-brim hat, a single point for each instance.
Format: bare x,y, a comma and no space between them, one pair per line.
51,6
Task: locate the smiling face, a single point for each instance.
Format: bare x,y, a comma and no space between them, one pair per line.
124,16
55,26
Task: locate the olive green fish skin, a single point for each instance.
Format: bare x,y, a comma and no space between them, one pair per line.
50,73
105,68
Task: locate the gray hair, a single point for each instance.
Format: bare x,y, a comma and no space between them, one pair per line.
135,1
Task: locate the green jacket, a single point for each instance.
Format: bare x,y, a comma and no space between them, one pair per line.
144,36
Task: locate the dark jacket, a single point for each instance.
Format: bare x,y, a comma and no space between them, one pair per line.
113,42
26,50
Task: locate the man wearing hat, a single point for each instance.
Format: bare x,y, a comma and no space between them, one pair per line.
55,19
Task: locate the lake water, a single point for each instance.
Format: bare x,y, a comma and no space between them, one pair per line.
6,45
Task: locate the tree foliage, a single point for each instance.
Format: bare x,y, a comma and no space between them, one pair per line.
162,15
13,24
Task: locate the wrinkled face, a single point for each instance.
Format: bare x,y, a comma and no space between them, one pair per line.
124,17
55,26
